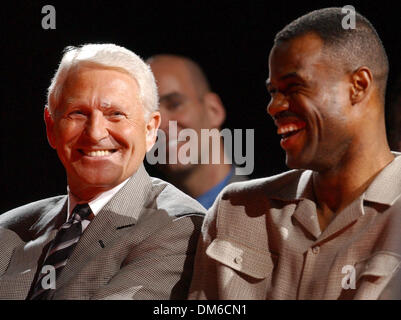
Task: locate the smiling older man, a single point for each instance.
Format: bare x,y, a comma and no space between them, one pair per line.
118,234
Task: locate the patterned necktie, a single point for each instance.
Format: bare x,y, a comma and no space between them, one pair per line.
61,248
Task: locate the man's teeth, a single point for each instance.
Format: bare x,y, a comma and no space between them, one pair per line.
98,153
286,129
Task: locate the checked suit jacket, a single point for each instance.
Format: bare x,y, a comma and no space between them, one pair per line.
141,245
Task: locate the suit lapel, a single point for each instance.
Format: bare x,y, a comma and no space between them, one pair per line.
50,220
17,280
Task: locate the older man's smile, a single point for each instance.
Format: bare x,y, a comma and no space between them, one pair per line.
97,153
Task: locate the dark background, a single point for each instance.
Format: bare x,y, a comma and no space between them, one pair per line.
230,39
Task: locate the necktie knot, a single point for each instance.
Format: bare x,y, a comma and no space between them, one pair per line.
81,212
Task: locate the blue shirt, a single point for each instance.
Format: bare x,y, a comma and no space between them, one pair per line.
208,198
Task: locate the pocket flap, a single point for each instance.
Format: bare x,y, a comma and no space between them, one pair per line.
254,263
379,265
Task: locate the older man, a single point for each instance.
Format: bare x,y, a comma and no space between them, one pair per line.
118,234
186,98
330,228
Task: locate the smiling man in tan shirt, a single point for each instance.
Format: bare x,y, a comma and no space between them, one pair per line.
330,229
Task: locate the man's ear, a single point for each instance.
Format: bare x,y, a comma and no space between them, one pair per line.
49,127
361,83
215,109
151,129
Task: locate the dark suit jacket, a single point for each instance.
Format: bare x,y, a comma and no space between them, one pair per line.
139,246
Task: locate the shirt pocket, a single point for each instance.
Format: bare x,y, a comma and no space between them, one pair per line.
256,264
374,273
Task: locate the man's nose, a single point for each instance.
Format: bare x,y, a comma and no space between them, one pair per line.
277,104
96,127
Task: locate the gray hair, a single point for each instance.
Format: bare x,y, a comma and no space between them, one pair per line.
108,56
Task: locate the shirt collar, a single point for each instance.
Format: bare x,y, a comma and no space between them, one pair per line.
95,204
384,189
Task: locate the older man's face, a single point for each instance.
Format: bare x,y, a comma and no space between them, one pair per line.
99,130
310,104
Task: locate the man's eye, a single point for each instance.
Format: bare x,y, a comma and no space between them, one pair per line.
76,113
293,87
173,105
116,114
